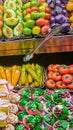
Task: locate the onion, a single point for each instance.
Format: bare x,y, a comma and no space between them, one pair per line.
49,1
52,19
58,2
63,6
64,1
52,5
53,12
58,10
65,27
60,19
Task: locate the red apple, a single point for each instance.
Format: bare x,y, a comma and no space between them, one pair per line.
47,9
47,15
28,11
44,29
34,8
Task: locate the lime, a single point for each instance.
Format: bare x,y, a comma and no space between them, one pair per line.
35,15
33,3
27,31
30,23
27,17
36,30
27,5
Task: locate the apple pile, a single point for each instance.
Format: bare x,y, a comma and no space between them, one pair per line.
1,18
36,15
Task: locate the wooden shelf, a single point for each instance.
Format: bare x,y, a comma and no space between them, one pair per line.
21,47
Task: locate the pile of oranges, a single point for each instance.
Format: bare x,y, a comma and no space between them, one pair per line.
1,18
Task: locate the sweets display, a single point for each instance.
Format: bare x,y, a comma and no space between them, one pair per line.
60,76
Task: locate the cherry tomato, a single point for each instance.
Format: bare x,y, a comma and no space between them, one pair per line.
44,29
50,84
67,78
64,69
56,68
60,84
56,76
71,69
50,67
47,15
70,86
50,73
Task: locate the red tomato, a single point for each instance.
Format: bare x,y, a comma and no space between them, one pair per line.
70,86
34,8
50,84
56,76
60,84
71,69
28,11
50,67
46,22
47,10
64,69
44,29
47,15
67,78
56,68
50,73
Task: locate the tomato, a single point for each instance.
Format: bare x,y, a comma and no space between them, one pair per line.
50,73
71,69
64,69
50,67
67,78
56,76
44,29
60,84
47,10
70,86
47,15
34,8
50,84
46,22
56,68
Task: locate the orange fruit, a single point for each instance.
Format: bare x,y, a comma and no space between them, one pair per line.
1,24
0,32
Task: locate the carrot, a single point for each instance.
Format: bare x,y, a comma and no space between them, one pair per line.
2,72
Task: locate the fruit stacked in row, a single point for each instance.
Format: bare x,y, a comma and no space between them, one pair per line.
23,75
69,8
59,14
44,110
36,16
60,76
1,18
12,18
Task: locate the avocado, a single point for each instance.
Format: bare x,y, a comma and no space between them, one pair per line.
7,32
18,29
9,13
11,5
11,21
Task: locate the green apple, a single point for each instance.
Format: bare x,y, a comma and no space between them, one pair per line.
42,14
44,4
42,9
33,3
35,15
27,5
